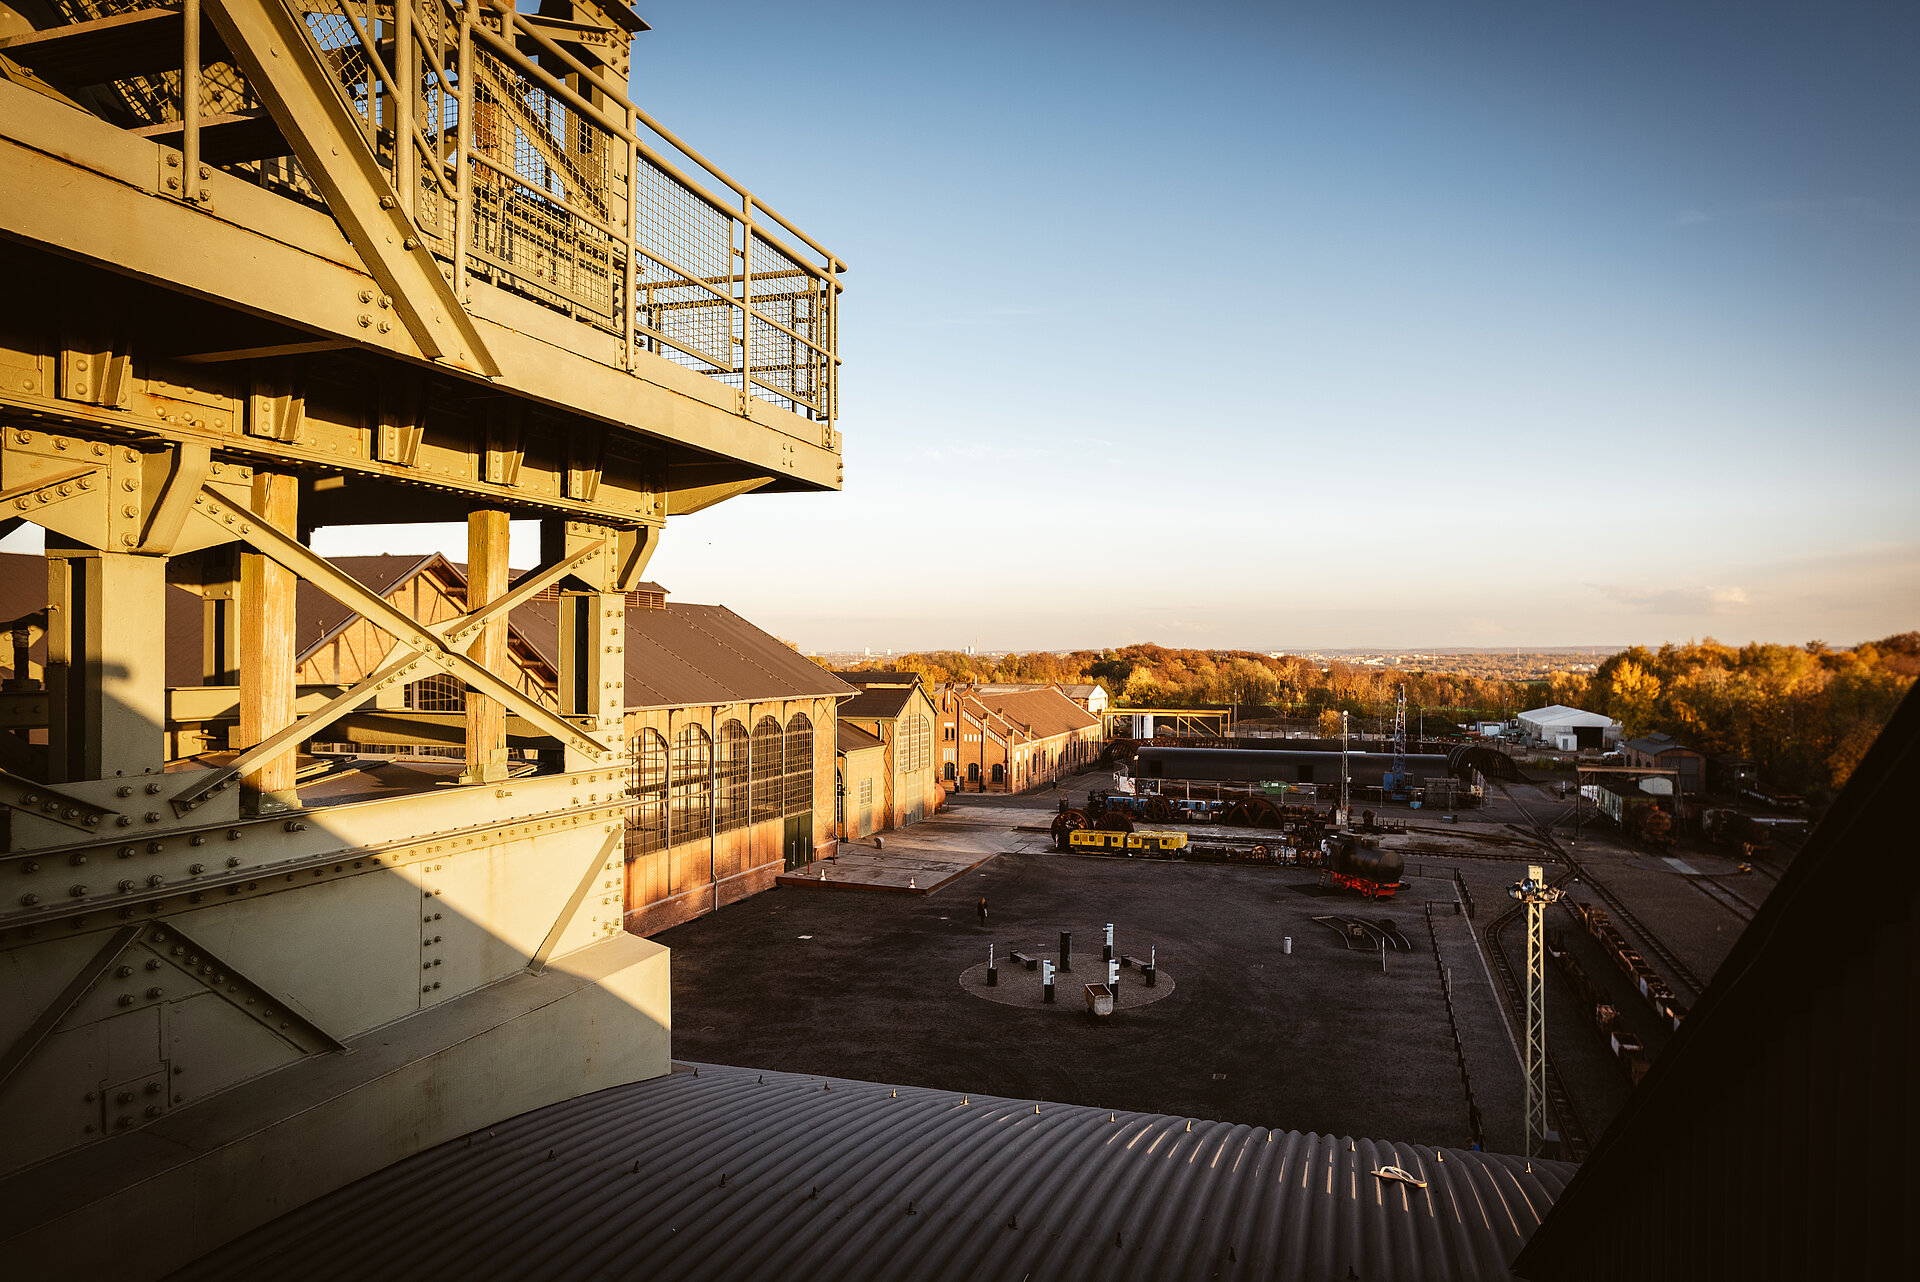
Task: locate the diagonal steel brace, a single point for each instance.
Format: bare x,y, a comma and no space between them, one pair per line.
415,643
276,51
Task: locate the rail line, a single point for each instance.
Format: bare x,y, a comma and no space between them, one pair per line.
1618,911
1725,896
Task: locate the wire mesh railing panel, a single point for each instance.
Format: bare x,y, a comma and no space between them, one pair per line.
788,349
538,193
579,202
685,279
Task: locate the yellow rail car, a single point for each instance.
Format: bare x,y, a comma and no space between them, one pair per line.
1149,842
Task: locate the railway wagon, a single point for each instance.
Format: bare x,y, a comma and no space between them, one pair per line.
1148,842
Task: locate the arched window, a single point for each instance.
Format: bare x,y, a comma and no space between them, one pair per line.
949,770
730,775
647,816
999,773
917,748
692,783
799,772
765,802
973,772
437,693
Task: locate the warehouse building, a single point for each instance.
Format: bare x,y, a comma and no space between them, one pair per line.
1569,729
892,709
1010,742
1664,752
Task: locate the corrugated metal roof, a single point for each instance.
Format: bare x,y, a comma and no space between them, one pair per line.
688,655
853,738
738,1175
1044,713
881,703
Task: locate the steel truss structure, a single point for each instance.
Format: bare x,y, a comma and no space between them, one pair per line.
275,265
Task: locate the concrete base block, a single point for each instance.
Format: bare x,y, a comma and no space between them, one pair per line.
142,1205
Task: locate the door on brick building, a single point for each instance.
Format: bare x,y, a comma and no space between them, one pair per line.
799,841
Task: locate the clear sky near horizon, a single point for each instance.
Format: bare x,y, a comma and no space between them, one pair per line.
1334,324
1328,324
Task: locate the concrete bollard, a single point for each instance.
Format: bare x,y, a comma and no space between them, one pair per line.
1046,981
1286,945
993,971
1066,951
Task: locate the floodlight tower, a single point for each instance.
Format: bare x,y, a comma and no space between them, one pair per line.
1536,894
1396,780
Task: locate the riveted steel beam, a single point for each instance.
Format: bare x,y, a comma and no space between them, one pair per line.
415,643
272,46
50,1016
52,804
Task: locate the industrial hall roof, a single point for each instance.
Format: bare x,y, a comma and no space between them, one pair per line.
734,1174
1043,713
853,739
1559,714
691,655
878,703
1655,744
880,677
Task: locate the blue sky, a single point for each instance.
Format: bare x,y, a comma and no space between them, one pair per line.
1331,324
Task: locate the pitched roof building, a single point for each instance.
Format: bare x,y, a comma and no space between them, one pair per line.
893,707
1010,741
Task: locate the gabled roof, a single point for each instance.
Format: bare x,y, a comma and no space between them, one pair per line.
854,739
879,678
683,655
1043,713
882,703
1655,744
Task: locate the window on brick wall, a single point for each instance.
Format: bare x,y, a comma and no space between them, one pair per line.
765,795
647,816
730,772
692,793
437,693
799,765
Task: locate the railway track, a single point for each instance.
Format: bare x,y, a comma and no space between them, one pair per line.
1617,910
1730,899
1575,1140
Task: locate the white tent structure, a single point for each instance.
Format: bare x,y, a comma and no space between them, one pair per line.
1562,727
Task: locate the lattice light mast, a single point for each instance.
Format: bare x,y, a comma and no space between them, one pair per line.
1346,775
1536,894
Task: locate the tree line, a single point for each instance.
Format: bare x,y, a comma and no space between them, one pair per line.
1803,715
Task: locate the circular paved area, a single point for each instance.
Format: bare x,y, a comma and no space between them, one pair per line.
1019,986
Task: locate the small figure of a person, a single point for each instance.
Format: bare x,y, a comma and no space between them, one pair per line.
983,910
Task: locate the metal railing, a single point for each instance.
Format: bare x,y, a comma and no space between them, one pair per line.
524,166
